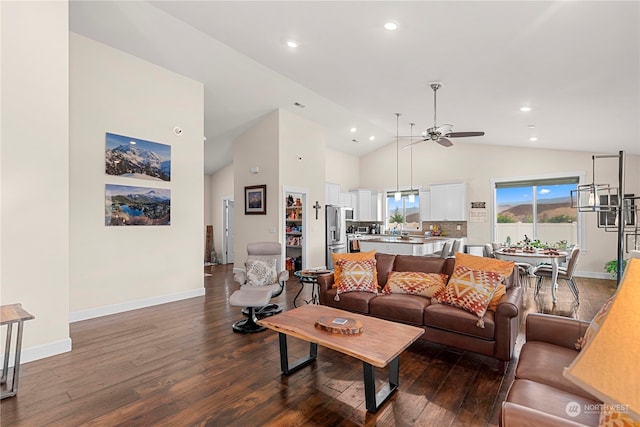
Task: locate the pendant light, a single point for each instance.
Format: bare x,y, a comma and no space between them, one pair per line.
398,195
412,197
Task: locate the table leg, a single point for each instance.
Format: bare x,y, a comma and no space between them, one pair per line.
287,368
5,365
298,294
373,400
554,279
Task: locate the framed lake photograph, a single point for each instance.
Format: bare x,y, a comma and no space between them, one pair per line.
137,158
255,200
129,205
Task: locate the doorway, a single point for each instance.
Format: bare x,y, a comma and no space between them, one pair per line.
227,231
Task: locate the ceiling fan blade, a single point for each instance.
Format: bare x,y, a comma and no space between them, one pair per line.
444,142
414,143
463,134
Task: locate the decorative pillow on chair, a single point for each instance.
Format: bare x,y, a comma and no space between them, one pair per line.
355,256
260,273
357,276
501,290
595,324
470,290
415,283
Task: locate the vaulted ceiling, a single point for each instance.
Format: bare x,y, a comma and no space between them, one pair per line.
576,64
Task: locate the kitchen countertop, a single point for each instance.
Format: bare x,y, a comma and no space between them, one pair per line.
414,240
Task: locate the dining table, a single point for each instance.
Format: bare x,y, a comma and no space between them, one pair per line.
534,257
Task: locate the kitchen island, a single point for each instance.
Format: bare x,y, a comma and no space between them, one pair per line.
400,246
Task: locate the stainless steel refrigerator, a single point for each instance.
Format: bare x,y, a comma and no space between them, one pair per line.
336,237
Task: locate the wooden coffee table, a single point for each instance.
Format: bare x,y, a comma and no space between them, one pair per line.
379,344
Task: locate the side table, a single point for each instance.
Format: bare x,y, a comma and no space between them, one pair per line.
309,276
10,314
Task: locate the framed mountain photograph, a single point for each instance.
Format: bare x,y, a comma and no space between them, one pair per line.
129,205
137,158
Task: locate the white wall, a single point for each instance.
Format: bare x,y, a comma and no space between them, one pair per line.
302,138
478,164
34,152
258,146
342,168
120,268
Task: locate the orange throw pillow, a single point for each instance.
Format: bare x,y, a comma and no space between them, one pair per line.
355,256
505,268
357,276
501,290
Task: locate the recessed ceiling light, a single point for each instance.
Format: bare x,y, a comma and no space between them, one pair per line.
391,26
292,43
525,109
353,130
371,138
533,139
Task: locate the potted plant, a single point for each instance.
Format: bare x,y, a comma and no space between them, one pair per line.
611,267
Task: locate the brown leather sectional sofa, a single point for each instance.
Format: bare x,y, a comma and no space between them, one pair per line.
443,324
540,395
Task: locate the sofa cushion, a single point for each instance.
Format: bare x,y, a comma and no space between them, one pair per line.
355,256
358,302
449,318
399,308
550,400
470,290
544,363
357,276
414,283
384,264
418,263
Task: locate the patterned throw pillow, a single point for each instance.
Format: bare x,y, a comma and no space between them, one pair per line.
357,276
470,290
415,283
355,256
595,324
609,417
474,262
260,273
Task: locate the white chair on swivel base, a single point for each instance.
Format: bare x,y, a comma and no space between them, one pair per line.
251,299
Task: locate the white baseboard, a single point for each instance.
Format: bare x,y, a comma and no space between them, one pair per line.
593,275
40,351
106,310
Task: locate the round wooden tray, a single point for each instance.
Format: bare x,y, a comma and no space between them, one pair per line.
335,325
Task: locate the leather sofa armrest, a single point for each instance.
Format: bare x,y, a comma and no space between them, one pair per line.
325,282
509,304
552,329
516,415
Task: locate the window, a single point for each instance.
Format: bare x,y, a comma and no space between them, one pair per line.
403,214
536,209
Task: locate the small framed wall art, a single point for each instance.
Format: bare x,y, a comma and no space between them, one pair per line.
255,200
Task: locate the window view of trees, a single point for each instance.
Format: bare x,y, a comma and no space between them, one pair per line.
403,214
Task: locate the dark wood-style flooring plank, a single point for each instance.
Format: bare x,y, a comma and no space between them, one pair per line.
180,364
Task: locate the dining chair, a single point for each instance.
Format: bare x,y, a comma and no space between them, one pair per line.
565,273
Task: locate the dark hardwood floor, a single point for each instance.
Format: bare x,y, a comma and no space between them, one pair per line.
180,364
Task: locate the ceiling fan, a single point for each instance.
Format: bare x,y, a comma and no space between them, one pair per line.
441,134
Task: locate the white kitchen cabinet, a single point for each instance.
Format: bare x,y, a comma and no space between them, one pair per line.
448,202
345,200
425,203
398,248
332,193
365,207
